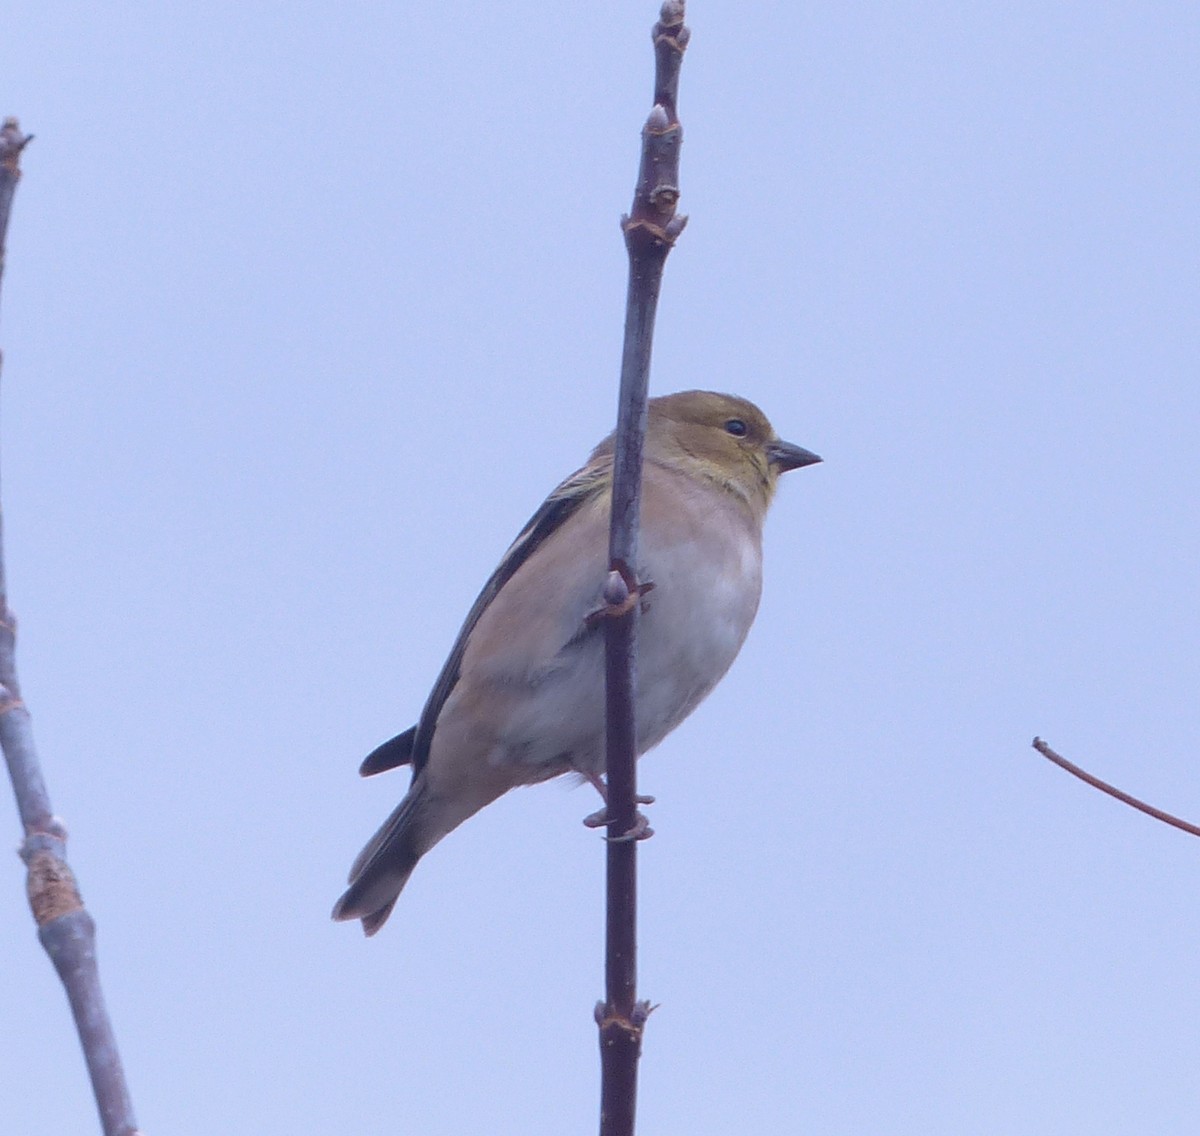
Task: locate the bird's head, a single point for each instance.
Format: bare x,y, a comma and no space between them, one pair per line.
724,439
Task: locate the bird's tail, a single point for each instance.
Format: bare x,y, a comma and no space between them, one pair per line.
384,865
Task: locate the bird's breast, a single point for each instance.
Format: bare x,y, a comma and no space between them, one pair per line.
705,562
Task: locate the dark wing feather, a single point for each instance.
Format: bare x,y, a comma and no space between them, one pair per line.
397,751
580,487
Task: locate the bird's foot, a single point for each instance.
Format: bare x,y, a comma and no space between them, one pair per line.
641,829
622,593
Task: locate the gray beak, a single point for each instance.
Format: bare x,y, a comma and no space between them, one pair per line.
786,456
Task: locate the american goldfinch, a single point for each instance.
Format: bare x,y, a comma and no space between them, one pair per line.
521,697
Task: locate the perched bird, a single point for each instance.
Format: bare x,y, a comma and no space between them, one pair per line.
521,697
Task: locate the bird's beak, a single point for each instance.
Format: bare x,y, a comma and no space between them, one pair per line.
785,456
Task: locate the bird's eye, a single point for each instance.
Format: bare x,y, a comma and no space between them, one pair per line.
736,427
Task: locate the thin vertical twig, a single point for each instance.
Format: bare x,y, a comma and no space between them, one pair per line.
65,929
650,231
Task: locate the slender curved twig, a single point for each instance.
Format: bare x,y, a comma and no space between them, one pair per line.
65,929
650,230
1112,790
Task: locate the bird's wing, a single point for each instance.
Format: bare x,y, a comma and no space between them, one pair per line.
582,486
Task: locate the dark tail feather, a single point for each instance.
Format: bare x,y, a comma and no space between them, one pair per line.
384,865
371,923
392,753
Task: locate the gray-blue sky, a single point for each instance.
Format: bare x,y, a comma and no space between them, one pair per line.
307,306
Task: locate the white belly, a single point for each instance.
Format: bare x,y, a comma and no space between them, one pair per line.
693,623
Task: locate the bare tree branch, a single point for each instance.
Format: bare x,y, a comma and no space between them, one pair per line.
65,929
650,231
1112,790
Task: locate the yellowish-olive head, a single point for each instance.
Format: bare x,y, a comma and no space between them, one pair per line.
724,439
